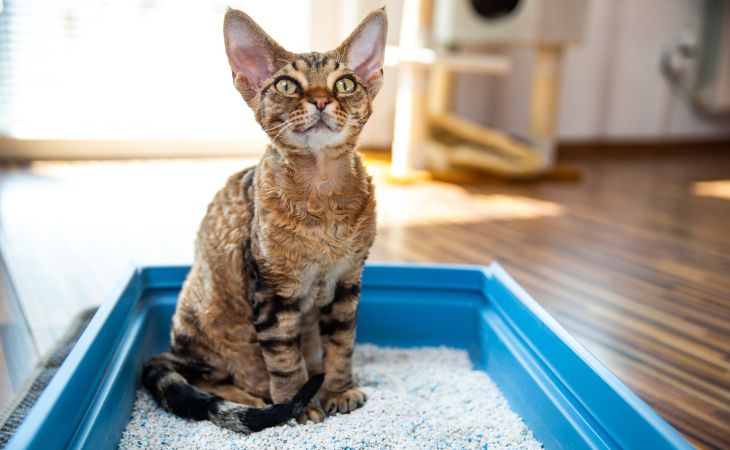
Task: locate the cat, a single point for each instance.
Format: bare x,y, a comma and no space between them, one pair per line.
265,324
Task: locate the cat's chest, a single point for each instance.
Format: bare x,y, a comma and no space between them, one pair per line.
327,250
324,227
318,284
313,246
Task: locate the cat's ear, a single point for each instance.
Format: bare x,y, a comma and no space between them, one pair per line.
364,50
253,55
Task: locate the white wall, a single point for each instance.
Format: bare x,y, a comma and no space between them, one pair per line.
612,88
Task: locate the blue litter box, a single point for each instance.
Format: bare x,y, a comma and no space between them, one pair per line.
567,397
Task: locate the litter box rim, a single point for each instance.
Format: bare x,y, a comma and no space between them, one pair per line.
604,412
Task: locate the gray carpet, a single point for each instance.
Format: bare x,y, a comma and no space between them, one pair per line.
19,407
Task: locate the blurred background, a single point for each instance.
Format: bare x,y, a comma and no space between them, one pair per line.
584,144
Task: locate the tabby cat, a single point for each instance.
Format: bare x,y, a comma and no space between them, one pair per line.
264,328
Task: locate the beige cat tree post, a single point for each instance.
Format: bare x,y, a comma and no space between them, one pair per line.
427,135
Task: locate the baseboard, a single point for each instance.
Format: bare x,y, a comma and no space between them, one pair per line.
44,150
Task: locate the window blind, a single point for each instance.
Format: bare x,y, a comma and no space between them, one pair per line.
129,69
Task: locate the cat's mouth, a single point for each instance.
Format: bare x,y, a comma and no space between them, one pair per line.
318,130
319,125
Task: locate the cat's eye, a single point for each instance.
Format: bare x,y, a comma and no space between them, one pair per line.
287,86
345,85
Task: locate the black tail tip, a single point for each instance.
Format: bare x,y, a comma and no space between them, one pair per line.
316,380
309,389
258,419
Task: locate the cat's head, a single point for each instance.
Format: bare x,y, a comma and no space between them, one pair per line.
308,100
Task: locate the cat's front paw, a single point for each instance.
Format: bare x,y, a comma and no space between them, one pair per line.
344,402
312,412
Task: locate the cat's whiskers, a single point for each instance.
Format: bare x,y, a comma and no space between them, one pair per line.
288,126
276,127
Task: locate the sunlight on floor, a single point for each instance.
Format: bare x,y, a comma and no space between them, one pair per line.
179,183
718,189
433,202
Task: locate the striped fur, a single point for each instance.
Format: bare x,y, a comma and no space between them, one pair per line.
272,298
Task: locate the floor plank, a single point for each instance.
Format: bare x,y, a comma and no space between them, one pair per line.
633,259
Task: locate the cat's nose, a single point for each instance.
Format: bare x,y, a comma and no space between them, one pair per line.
320,101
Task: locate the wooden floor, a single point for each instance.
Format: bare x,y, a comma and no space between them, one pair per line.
633,259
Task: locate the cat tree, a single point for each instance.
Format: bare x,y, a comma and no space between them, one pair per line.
427,134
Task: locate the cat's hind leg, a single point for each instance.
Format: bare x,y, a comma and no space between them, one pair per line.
233,393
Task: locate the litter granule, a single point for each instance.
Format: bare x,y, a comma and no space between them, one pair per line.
424,398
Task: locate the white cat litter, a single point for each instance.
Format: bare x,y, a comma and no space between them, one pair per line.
425,398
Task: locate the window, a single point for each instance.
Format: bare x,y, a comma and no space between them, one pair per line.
131,69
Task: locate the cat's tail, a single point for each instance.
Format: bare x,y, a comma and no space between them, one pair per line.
162,377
